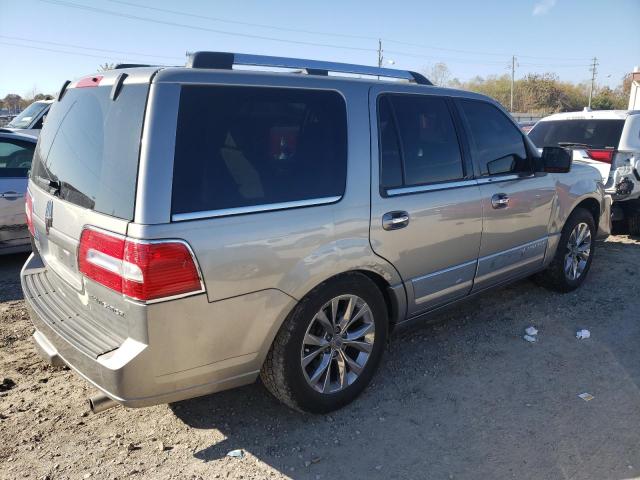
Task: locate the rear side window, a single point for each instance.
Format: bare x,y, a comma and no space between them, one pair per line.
15,157
591,132
248,146
497,144
89,148
418,141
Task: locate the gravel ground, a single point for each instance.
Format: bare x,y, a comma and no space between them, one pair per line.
462,397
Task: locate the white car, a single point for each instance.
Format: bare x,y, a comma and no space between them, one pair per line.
608,140
30,119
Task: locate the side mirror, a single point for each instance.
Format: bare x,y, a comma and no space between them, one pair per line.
556,160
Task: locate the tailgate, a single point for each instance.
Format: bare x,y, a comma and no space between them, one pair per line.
85,168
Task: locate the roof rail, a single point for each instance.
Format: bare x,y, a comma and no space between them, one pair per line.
226,61
120,66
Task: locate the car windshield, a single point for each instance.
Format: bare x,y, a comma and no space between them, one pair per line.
28,115
591,132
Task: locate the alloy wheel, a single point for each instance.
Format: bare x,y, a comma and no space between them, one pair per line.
578,251
337,344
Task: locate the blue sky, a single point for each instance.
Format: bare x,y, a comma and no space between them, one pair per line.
69,38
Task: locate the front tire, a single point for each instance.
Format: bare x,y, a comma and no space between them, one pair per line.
329,347
574,255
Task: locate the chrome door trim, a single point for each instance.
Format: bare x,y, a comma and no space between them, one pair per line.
502,178
225,212
442,286
430,188
506,263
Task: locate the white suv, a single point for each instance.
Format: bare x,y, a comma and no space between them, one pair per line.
608,140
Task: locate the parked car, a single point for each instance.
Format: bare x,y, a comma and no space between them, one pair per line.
16,152
608,140
198,226
527,126
30,120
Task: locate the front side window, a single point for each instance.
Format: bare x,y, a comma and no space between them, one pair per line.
249,146
418,141
497,144
15,158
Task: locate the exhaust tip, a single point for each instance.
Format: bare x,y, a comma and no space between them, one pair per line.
100,402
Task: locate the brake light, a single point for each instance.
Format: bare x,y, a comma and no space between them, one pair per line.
28,207
89,82
140,270
605,156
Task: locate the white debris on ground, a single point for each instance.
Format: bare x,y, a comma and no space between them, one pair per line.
580,334
533,331
236,454
586,396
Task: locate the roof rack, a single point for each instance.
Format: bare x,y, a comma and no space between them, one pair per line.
226,61
120,66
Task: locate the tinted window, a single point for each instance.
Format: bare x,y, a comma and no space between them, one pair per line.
90,145
390,158
15,157
428,145
595,133
497,144
246,146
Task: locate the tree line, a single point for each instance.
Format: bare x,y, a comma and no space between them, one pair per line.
538,93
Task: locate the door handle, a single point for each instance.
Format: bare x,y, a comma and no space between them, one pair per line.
395,220
500,200
11,195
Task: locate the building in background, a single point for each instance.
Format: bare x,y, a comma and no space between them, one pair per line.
634,94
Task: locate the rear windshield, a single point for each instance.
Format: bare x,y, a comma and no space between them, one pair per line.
249,146
89,147
594,133
28,115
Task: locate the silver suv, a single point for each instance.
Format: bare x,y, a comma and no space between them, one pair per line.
196,227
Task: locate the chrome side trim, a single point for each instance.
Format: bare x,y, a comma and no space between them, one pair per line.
501,265
502,178
442,286
181,217
430,188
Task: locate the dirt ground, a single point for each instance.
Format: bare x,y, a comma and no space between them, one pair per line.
463,397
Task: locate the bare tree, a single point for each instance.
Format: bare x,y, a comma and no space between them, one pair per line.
439,74
106,66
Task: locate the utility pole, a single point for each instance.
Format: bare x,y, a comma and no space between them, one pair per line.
594,71
380,56
513,76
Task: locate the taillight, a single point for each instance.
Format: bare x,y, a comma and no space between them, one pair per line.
28,210
140,270
601,155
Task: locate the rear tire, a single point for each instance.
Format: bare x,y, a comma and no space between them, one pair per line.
574,254
350,353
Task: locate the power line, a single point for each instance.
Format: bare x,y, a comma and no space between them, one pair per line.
237,22
33,47
84,47
203,29
316,32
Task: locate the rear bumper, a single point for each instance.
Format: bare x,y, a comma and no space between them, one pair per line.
177,362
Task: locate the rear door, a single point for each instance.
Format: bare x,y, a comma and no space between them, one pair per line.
426,209
15,162
516,203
